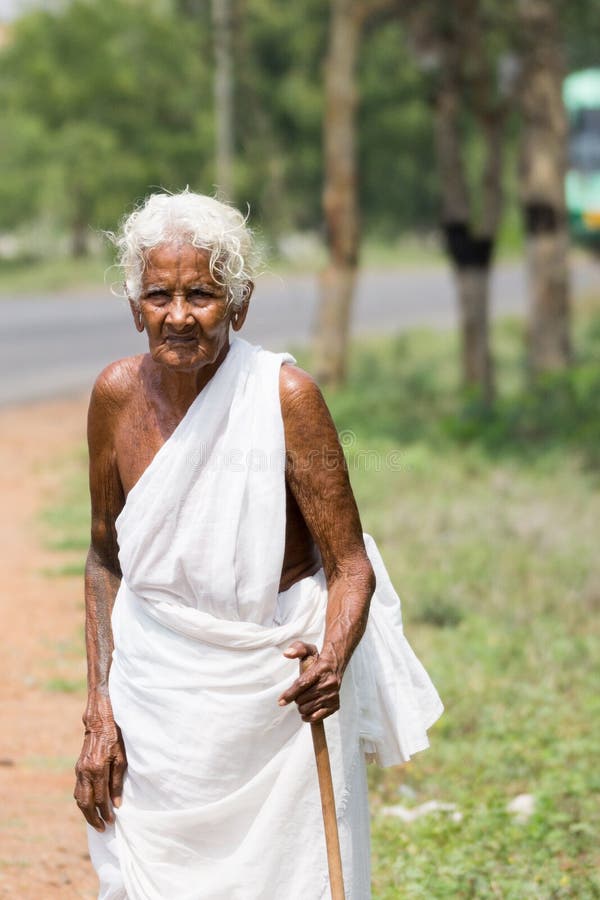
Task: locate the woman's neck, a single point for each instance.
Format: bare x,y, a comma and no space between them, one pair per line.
179,389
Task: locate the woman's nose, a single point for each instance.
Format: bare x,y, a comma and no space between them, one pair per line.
178,311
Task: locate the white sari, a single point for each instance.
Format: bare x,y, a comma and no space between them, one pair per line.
220,798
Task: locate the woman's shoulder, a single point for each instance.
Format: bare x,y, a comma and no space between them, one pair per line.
303,407
117,381
295,383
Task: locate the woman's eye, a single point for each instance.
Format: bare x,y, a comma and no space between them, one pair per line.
200,295
157,296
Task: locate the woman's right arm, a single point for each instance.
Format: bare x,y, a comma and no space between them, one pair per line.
101,764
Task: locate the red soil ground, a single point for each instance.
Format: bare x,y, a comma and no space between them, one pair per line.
43,851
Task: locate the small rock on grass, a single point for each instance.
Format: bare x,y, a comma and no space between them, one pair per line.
522,807
409,814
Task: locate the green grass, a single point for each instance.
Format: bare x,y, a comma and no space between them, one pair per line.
489,526
65,685
511,553
67,522
26,276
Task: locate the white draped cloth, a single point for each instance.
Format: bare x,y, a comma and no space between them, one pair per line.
220,799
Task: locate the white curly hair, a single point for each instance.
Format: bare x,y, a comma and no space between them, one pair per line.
202,221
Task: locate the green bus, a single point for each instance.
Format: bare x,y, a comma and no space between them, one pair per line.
581,93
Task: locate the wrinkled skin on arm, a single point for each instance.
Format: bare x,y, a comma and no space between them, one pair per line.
317,476
102,761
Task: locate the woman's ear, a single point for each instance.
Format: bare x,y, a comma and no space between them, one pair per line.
136,312
239,316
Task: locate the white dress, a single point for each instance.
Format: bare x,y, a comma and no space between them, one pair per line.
220,799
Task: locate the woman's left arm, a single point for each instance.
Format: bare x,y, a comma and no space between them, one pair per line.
317,475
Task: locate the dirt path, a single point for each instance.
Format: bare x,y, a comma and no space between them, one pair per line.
43,852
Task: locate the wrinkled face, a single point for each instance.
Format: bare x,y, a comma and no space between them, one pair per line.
182,308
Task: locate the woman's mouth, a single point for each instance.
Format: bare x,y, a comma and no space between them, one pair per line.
180,338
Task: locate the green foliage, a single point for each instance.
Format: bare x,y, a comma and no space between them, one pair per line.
581,23
281,50
555,411
396,150
22,160
30,275
104,102
280,47
409,393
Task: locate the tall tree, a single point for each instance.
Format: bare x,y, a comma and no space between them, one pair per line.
340,198
341,207
543,157
452,41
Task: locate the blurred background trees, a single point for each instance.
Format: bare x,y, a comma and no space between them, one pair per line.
104,101
146,73
343,122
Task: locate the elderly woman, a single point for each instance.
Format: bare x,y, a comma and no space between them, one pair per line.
226,545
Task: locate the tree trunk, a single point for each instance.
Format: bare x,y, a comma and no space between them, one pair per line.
340,200
470,253
549,340
473,296
542,179
223,97
471,257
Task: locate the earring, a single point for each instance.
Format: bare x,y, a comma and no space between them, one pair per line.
235,318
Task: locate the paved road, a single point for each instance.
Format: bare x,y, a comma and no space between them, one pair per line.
56,345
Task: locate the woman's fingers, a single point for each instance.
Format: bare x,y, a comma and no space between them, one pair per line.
99,771
292,693
301,684
321,693
316,691
327,697
117,772
102,798
300,650
324,685
84,796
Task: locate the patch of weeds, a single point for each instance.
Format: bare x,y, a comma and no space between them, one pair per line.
67,521
60,685
439,613
65,570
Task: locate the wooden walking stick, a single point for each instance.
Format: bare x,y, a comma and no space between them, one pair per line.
332,839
